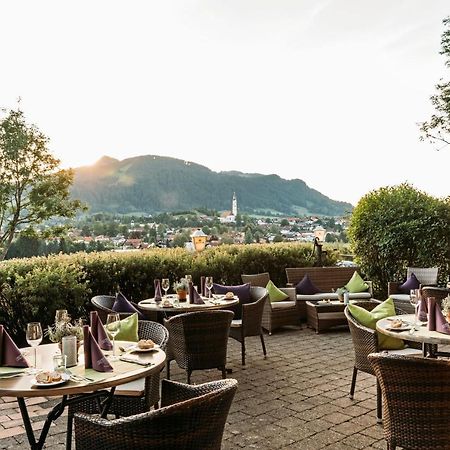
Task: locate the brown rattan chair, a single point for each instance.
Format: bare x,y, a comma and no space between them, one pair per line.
416,400
438,293
191,417
278,314
198,340
250,323
103,305
130,398
365,341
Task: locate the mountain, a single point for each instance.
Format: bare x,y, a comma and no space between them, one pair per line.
149,184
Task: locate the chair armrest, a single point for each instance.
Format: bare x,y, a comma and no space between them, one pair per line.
393,287
289,285
370,284
173,392
291,292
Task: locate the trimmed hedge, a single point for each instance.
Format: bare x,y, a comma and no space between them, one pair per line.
33,288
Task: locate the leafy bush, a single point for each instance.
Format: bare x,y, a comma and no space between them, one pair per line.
398,227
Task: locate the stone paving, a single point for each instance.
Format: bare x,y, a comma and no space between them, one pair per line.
297,398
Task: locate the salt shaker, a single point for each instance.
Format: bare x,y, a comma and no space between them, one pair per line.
69,348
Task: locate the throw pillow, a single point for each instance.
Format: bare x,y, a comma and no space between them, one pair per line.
370,318
307,287
411,283
356,284
123,305
242,291
128,329
275,295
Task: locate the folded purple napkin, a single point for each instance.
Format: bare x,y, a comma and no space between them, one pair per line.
99,332
422,310
157,283
194,296
436,320
93,356
9,352
202,285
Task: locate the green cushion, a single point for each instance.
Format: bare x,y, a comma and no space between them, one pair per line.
128,329
356,284
275,295
370,318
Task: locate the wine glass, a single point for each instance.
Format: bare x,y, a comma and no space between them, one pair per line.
188,278
209,285
60,315
165,284
113,327
414,300
34,338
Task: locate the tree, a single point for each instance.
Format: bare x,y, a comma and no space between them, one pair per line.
398,227
437,128
32,188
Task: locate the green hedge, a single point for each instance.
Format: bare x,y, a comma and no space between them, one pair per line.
33,288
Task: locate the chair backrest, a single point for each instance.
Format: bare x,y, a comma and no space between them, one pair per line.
426,275
252,313
438,293
199,339
325,278
365,341
416,398
257,279
158,333
103,305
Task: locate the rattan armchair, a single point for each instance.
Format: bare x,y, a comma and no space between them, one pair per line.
365,341
191,417
250,323
416,400
103,305
278,314
127,400
198,340
438,293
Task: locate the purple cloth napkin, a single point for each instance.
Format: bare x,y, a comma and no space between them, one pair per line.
99,332
9,352
194,296
157,284
202,285
422,310
93,356
436,320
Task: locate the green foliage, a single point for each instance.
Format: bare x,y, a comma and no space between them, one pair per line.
437,129
398,227
32,189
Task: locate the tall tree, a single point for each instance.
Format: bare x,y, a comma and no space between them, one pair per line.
437,128
32,187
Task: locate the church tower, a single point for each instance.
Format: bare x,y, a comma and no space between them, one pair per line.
234,205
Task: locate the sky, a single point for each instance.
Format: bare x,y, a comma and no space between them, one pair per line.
328,91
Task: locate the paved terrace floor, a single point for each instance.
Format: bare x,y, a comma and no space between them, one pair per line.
297,398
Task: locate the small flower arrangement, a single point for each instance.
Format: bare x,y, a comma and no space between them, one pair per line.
445,304
64,328
181,285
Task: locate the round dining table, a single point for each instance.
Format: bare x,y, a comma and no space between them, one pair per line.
81,382
429,339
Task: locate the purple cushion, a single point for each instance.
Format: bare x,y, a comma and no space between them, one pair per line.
411,283
307,287
242,291
123,305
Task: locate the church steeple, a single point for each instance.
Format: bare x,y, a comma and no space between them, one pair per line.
234,209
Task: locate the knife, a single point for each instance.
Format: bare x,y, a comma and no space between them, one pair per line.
135,361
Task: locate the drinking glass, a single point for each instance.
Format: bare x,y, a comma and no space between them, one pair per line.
60,315
414,300
188,278
209,285
34,338
165,284
112,328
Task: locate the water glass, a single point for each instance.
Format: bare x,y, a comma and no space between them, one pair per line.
60,363
165,284
113,328
34,337
209,285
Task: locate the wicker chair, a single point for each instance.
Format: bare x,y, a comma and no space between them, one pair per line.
198,340
365,341
416,400
103,305
438,293
278,314
191,417
250,324
128,404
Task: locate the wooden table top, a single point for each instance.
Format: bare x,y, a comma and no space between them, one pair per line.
421,335
124,372
214,303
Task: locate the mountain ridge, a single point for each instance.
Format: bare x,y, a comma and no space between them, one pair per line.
153,183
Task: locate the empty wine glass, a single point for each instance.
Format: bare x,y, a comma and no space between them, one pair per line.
165,284
188,278
209,285
113,327
34,338
414,300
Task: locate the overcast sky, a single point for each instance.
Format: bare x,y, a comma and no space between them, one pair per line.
328,91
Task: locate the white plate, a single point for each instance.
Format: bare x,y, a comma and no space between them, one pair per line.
404,327
136,349
64,377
